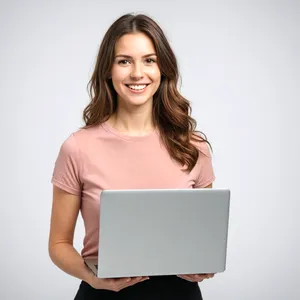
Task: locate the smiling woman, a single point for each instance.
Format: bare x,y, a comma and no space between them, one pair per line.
135,73
138,134
135,51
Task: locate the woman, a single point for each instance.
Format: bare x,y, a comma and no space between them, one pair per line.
138,134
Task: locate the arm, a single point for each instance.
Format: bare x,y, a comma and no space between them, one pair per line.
65,209
209,186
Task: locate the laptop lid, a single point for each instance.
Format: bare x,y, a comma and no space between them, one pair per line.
162,232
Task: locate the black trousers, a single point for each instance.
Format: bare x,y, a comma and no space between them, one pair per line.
155,288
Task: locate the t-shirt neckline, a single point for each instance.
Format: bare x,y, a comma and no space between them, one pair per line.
127,137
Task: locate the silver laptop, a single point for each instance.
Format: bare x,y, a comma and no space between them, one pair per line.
162,232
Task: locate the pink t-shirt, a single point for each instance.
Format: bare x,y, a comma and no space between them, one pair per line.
101,158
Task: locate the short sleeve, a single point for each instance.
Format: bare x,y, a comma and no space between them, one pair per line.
66,174
205,171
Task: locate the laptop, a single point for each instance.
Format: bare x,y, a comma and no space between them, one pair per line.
162,232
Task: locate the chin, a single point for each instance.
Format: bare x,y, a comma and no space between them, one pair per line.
138,102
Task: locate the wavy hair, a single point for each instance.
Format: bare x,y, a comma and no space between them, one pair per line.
171,112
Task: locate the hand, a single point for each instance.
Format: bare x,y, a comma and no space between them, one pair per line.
196,277
114,284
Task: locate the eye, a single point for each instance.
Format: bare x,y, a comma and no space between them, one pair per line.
150,61
123,62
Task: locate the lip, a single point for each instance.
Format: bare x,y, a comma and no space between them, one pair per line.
137,91
142,83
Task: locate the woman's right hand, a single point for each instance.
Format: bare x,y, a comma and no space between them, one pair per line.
114,284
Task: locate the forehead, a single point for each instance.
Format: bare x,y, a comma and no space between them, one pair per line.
134,44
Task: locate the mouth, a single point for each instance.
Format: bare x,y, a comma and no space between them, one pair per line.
137,88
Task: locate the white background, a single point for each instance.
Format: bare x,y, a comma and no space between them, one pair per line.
239,62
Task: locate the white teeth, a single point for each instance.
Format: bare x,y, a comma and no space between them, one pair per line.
137,87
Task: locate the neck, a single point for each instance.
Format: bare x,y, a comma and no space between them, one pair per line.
137,122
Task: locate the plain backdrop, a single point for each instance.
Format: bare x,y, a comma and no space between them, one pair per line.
239,62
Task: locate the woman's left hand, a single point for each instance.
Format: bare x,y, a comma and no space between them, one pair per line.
196,277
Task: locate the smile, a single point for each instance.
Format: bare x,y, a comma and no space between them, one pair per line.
137,88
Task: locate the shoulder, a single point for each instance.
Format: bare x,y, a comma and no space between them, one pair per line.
76,141
201,143
84,135
204,167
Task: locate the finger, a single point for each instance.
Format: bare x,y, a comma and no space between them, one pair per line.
200,277
139,279
196,277
205,276
115,283
182,276
133,281
187,277
208,275
121,281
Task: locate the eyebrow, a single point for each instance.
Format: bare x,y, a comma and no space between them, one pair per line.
128,56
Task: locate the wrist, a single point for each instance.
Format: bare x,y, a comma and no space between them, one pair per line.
88,276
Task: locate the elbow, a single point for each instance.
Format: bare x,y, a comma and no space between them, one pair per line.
51,251
56,248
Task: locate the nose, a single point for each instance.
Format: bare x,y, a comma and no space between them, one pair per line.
137,71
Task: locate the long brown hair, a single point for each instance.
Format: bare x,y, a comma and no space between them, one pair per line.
171,111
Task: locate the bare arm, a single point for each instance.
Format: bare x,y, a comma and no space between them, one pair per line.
209,186
65,209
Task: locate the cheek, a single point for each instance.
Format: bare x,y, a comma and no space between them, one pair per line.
154,74
119,74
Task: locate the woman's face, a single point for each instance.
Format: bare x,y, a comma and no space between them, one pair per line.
135,72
